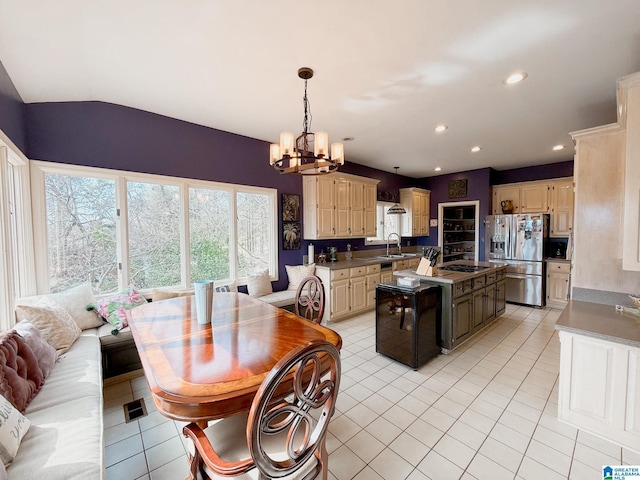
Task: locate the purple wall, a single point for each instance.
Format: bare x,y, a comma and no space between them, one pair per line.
538,172
105,135
12,111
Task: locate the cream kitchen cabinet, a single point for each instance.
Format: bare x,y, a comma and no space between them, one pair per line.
503,193
557,283
373,279
561,208
599,391
346,291
416,202
338,206
534,197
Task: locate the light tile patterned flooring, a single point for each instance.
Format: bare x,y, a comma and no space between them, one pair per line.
486,411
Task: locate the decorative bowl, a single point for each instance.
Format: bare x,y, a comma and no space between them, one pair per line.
636,299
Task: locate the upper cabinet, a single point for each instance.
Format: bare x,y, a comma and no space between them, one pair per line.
561,208
339,206
547,196
416,202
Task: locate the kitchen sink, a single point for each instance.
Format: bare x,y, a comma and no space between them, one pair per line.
399,255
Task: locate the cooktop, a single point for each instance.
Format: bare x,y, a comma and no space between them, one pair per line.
463,268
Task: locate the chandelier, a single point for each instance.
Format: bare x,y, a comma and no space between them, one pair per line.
309,155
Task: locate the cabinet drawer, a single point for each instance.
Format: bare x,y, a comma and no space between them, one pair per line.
373,279
491,278
478,282
357,271
558,267
461,287
500,274
339,274
373,268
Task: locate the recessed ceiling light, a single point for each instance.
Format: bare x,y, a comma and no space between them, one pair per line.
516,77
475,149
438,169
557,148
440,128
347,139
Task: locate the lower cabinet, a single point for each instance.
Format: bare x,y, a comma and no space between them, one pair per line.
462,314
501,296
348,290
373,279
557,283
599,387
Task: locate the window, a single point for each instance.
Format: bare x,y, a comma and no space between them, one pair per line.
115,228
385,225
17,270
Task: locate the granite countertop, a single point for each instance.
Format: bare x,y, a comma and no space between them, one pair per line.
445,276
600,321
362,261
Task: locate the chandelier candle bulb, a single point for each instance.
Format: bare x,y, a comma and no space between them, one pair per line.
286,143
274,151
321,142
337,153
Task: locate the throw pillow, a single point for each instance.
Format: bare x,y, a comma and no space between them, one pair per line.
20,375
13,427
75,301
54,322
114,308
259,284
164,293
297,273
44,352
226,287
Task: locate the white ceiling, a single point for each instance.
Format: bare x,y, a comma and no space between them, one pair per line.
386,71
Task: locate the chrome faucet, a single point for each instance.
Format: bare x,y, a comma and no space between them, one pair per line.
399,245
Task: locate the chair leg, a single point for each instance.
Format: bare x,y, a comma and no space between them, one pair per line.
196,464
323,459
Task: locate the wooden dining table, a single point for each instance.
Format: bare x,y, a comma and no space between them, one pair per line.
200,372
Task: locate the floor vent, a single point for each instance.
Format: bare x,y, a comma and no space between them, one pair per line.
134,410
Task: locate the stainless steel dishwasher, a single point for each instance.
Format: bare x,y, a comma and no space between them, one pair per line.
408,322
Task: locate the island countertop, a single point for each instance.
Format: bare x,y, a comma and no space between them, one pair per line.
600,321
446,276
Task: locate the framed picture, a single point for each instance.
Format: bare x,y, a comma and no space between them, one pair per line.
291,234
290,207
457,188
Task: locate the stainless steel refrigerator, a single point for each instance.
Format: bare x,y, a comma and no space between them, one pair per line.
519,240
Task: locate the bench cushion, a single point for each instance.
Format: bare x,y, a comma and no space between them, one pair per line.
280,299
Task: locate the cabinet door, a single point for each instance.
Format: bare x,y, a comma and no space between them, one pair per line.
358,293
561,209
416,214
339,298
489,313
373,279
557,287
501,194
478,308
343,212
370,213
425,213
462,316
501,298
406,220
325,195
356,192
386,276
534,198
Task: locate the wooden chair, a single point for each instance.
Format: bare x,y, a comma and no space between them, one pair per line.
279,436
310,299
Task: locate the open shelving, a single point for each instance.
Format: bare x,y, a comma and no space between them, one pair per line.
459,234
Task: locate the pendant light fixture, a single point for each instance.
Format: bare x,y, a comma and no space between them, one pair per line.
396,208
309,155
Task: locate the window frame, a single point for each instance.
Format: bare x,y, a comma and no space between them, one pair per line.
384,206
39,169
17,266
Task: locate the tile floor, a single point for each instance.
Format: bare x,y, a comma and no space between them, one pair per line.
486,411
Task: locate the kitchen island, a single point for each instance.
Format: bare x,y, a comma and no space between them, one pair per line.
599,385
471,300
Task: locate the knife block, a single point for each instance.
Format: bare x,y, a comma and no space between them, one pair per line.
425,268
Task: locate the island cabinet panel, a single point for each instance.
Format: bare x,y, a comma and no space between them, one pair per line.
462,317
599,388
339,206
501,297
490,303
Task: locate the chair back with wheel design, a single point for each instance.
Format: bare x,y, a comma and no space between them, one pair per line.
286,428
310,299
